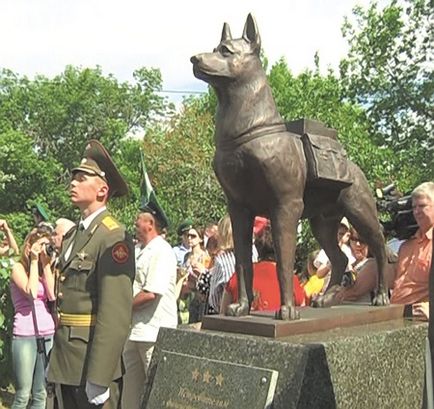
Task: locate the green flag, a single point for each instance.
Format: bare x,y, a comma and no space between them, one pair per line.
148,199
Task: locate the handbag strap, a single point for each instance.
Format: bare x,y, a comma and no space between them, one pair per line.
35,320
40,340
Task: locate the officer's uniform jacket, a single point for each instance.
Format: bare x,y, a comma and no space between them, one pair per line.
94,303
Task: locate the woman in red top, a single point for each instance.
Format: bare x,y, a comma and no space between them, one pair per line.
266,293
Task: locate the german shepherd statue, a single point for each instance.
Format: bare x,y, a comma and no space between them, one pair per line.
262,169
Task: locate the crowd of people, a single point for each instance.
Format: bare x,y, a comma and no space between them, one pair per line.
96,303
406,272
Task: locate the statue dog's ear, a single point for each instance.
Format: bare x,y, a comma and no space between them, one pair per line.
226,33
251,33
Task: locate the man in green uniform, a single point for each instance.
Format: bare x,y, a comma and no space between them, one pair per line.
95,290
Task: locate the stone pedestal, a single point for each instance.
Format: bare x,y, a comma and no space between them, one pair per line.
376,365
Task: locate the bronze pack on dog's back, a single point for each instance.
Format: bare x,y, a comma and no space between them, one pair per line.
262,169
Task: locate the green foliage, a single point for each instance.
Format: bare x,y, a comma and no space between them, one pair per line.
312,95
31,174
388,71
127,159
179,164
6,320
61,114
45,124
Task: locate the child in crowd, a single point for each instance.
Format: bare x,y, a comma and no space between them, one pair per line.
314,284
322,262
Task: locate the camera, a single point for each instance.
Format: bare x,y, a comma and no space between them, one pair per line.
402,224
50,249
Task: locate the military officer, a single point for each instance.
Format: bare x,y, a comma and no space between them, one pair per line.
95,290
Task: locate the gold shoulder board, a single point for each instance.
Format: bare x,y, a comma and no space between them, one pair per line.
110,223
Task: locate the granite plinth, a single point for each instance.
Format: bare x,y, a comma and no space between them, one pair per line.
368,366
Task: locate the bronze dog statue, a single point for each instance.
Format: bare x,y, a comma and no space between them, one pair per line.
262,169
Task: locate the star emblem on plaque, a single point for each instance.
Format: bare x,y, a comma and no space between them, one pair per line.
219,380
207,377
195,374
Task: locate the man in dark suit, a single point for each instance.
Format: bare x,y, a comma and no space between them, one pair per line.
95,290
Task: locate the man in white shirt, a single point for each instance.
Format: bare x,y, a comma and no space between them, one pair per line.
154,303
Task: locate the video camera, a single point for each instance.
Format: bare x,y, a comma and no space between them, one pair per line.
402,224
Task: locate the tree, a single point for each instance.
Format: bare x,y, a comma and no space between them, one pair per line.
29,175
320,97
127,159
389,72
62,113
179,163
45,124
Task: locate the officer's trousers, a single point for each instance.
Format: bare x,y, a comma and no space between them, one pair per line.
74,397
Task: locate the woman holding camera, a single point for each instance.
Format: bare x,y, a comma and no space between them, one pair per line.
32,286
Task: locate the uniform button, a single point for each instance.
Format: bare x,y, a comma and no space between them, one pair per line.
62,278
60,295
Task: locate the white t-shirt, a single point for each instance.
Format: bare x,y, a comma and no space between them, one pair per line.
394,244
322,259
156,273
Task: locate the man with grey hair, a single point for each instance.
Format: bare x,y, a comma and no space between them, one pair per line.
414,257
62,226
425,211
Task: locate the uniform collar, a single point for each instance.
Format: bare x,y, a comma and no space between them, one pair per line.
89,219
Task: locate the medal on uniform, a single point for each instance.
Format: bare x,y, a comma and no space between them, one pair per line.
82,255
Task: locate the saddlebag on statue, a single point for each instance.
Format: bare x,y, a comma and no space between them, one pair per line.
327,162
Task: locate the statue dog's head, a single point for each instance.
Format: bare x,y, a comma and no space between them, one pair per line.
232,59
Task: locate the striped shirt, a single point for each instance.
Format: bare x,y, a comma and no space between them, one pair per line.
224,268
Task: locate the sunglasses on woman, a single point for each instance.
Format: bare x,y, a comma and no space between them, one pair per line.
192,236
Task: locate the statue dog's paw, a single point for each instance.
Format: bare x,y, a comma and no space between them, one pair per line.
328,299
237,310
317,302
288,313
380,299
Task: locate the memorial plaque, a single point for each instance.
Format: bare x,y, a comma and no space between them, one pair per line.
187,382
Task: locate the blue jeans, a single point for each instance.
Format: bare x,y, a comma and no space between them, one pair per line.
29,372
